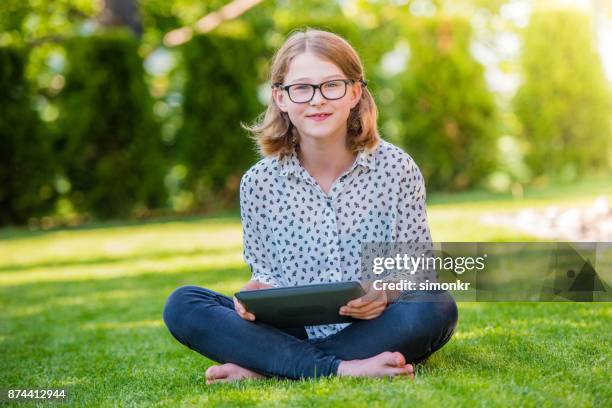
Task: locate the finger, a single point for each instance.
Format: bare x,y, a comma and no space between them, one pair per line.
369,315
364,309
237,302
366,299
358,305
245,314
239,308
372,316
353,311
373,305
242,312
355,302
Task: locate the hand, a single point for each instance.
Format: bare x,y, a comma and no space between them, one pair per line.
239,307
369,306
241,310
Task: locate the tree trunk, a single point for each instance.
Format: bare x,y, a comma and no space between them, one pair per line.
121,13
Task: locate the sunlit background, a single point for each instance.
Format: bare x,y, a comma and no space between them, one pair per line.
133,109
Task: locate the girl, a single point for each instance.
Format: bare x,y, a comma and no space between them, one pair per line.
327,184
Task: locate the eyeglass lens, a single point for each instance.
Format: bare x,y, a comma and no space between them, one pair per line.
304,92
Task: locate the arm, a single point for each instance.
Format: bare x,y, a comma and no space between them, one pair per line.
255,254
412,235
411,223
254,234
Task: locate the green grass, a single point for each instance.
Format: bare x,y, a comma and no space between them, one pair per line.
82,309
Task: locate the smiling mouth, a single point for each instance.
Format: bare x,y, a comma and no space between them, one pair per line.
319,115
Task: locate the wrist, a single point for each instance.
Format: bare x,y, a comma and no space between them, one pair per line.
251,285
255,285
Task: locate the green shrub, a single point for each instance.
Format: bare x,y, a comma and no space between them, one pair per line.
26,173
111,146
564,101
220,92
446,114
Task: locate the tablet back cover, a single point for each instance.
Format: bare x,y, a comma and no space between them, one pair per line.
297,306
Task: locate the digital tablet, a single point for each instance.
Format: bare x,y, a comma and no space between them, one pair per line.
305,305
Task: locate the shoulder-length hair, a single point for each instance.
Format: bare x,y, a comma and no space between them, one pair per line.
273,131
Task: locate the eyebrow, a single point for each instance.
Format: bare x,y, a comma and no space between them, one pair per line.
308,79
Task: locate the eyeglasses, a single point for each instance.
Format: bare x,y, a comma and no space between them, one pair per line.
330,90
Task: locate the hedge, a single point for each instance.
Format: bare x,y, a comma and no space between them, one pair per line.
27,170
111,147
445,111
564,102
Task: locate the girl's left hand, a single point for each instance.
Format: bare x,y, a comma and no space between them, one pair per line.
369,306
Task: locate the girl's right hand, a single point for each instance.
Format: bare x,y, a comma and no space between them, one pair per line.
239,307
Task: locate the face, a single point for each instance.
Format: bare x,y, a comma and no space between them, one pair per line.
307,68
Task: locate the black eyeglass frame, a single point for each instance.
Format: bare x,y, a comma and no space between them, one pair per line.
314,88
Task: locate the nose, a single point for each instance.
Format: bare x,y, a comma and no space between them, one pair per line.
316,100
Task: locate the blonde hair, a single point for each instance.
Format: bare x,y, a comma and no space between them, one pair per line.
273,131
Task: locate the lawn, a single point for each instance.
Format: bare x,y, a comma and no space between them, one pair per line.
81,309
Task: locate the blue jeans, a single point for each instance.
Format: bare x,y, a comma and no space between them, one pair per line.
205,321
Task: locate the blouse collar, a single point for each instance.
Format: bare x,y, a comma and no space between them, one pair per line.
290,164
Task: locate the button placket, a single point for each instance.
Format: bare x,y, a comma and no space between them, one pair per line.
338,185
336,273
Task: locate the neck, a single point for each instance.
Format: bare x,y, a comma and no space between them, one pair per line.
326,157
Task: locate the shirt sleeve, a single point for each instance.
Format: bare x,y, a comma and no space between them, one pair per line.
411,223
253,223
412,235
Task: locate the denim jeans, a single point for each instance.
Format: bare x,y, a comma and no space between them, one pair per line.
205,321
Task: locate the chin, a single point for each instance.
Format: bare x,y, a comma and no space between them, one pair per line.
322,132
319,133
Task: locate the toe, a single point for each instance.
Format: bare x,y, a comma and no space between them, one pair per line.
398,359
402,370
212,373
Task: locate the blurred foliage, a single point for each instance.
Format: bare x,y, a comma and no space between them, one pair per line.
33,21
122,138
110,145
25,152
564,102
220,92
447,113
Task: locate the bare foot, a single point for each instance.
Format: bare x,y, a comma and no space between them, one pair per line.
386,364
229,372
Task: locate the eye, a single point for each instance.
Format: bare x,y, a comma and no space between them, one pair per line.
334,84
301,87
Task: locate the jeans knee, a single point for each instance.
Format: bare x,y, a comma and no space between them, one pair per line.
447,312
429,325
177,307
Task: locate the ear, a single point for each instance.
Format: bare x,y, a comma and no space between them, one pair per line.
279,99
356,92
